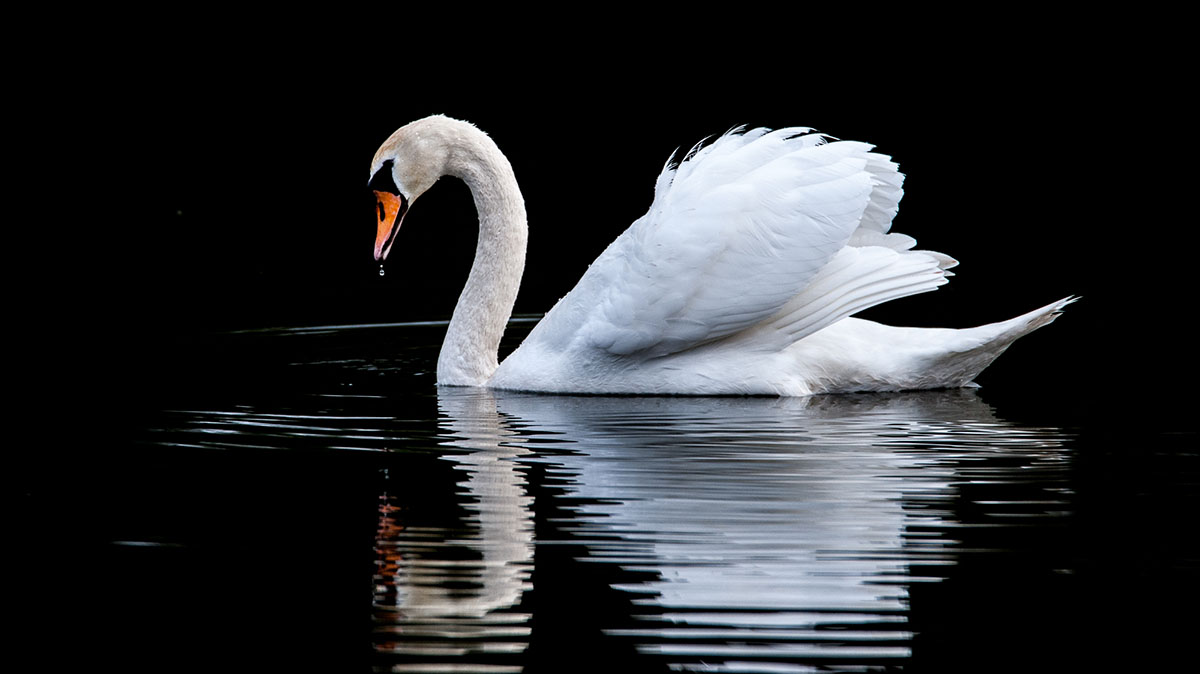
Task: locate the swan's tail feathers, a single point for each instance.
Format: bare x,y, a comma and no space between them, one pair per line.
972,350
1008,331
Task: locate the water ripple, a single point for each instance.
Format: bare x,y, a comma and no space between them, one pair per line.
683,534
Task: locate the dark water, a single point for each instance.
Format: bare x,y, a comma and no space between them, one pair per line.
307,500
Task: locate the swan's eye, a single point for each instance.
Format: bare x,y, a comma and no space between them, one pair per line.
382,180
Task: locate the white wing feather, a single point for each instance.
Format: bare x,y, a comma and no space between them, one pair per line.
735,235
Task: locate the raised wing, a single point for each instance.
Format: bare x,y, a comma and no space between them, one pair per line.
737,230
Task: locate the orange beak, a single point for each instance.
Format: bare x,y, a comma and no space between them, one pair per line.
390,213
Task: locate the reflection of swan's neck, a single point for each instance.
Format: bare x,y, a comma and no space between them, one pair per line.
469,352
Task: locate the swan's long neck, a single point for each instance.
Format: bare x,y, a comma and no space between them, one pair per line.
470,350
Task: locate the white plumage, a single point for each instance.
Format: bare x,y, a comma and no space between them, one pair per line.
740,279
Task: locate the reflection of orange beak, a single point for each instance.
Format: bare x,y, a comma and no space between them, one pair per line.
389,206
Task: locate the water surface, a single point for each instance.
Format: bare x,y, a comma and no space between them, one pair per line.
302,500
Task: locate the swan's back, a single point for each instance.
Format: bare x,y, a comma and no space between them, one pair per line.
752,243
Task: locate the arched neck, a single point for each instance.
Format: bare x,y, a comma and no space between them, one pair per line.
469,354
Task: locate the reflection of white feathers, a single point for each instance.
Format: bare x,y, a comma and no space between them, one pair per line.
739,279
765,518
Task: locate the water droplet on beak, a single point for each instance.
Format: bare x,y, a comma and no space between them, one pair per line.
381,270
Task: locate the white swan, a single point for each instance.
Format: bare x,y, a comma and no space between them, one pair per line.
741,279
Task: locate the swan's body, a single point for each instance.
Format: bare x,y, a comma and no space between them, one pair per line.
741,279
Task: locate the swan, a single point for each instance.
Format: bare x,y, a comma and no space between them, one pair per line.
741,279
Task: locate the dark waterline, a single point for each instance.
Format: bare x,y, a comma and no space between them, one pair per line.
307,500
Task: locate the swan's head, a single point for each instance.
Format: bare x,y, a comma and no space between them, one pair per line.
408,163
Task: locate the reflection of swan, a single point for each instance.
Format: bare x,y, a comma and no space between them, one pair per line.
739,280
502,509
775,503
776,528
464,585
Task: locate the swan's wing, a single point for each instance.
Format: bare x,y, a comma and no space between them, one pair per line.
735,231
